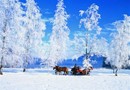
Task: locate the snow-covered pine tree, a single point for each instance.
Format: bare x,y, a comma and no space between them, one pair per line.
90,22
8,11
34,34
119,47
59,36
16,27
18,23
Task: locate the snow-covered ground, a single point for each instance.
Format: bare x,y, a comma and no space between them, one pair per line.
44,79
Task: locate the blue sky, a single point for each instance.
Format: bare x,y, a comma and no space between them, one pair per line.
110,11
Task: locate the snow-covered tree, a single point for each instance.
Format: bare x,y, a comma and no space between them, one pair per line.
77,46
16,27
19,33
86,63
90,22
99,46
9,16
59,36
34,26
119,47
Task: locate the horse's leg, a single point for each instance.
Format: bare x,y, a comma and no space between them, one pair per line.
55,72
87,72
64,73
82,72
59,73
67,72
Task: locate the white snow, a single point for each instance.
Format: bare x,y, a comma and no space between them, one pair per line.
44,79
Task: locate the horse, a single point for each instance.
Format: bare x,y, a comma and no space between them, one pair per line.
86,71
60,69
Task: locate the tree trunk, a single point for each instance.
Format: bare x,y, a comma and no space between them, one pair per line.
1,73
113,71
3,46
86,46
116,72
25,63
87,50
1,70
24,70
86,54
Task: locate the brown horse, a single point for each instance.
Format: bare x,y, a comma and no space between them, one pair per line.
86,71
60,69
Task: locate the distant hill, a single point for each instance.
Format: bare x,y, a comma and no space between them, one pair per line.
96,61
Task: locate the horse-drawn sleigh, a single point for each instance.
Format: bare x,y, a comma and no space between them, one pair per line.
74,71
77,71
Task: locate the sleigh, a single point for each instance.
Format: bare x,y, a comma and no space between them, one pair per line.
78,71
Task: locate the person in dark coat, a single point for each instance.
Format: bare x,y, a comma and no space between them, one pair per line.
74,70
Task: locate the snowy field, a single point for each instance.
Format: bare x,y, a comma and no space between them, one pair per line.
44,79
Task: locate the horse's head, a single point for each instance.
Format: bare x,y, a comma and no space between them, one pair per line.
90,68
55,67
